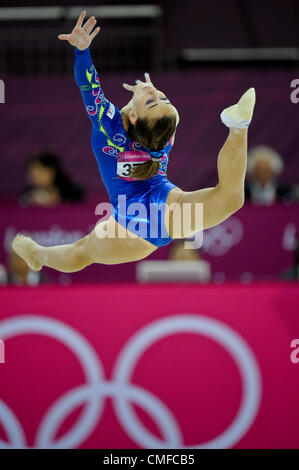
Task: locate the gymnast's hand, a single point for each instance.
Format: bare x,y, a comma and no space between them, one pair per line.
80,36
139,84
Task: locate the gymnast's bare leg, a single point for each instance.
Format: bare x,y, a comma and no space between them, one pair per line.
227,197
97,247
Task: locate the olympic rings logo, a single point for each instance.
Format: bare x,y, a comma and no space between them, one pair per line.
122,391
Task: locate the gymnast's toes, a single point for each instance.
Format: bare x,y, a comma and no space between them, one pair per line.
239,115
27,249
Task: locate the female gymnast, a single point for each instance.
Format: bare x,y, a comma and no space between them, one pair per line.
131,147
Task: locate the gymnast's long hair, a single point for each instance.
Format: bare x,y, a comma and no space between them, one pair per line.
153,135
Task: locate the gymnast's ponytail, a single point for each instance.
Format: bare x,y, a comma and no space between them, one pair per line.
155,138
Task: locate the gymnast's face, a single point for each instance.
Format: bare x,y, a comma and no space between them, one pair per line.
148,102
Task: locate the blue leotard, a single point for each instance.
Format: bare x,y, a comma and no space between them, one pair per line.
108,138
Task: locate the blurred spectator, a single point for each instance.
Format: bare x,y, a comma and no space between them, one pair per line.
178,252
183,265
292,273
3,275
263,186
296,192
19,273
48,186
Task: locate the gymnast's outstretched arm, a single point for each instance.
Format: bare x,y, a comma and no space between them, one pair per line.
88,83
85,72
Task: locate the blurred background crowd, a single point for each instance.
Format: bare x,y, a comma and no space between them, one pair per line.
49,182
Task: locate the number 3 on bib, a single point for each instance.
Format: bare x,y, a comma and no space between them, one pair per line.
126,161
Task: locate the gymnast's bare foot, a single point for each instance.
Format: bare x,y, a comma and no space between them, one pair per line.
28,250
239,115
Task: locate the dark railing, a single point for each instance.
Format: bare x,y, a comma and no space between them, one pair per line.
130,38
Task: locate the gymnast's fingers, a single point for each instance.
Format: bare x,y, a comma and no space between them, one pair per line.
89,24
128,87
147,78
64,37
95,32
80,19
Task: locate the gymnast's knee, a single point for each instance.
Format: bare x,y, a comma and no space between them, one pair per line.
82,252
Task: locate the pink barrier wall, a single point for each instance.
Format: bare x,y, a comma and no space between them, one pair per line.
120,366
